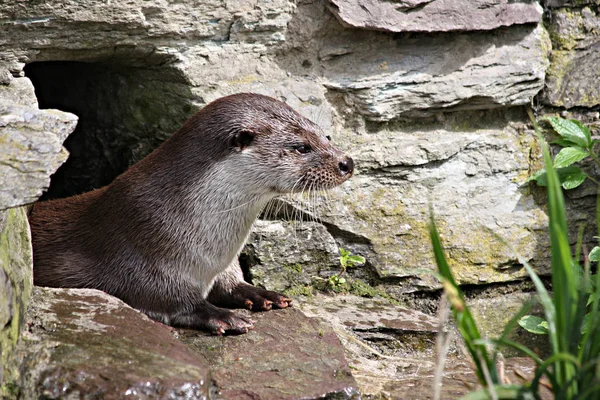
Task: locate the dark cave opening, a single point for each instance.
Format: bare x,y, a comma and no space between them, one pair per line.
124,113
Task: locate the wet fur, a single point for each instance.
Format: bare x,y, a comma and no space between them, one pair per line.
164,236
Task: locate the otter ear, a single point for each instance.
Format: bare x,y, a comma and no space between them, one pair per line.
242,139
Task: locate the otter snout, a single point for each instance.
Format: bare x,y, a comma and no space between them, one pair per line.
346,166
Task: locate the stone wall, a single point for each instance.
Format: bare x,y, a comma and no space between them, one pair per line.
30,151
427,95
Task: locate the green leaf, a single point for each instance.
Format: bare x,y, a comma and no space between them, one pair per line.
570,177
570,130
569,155
356,259
534,324
595,254
585,324
535,177
584,129
563,142
592,298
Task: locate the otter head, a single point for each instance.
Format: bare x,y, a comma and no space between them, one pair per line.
277,149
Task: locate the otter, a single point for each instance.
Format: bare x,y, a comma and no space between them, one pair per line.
165,235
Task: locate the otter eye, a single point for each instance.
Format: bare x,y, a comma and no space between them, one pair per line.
303,148
328,138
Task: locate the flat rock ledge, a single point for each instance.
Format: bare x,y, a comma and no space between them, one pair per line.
82,343
435,15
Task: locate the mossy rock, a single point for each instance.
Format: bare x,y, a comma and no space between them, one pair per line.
16,280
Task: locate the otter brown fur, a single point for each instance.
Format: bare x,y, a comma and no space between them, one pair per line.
165,235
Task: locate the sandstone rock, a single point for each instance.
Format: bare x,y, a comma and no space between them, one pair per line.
286,356
573,75
384,79
435,15
82,343
16,281
30,151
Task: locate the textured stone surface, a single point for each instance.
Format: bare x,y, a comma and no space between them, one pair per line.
569,3
82,343
282,255
474,180
392,352
384,79
286,356
401,103
362,315
385,343
16,281
59,30
573,75
344,78
435,15
492,315
30,150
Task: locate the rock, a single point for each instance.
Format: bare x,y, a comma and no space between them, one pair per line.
392,350
283,255
286,356
474,179
493,314
572,76
568,3
134,32
30,150
383,79
16,281
83,343
369,317
435,15
384,343
19,91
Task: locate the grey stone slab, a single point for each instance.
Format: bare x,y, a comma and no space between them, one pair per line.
30,150
435,15
383,78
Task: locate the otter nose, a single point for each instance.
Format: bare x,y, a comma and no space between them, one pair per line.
346,166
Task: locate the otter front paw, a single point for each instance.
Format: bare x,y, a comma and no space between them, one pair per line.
229,323
252,298
214,320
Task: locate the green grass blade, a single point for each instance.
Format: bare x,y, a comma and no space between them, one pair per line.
542,369
514,321
588,392
462,315
514,345
565,278
590,342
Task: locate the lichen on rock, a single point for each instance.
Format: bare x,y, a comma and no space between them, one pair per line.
16,282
